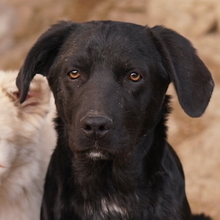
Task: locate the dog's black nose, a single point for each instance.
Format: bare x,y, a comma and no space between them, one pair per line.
96,127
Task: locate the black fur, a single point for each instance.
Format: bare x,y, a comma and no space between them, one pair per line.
112,161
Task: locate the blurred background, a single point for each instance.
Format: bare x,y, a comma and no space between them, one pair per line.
195,140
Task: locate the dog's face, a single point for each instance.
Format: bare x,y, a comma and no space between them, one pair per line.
109,81
108,88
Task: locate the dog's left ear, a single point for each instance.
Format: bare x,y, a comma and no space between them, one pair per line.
191,78
42,55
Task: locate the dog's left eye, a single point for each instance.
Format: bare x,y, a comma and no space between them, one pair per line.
74,74
135,77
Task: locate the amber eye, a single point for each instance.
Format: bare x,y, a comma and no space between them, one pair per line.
135,77
74,74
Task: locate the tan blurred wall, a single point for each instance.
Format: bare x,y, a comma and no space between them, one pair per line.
196,140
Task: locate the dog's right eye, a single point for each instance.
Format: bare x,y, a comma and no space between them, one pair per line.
74,74
135,77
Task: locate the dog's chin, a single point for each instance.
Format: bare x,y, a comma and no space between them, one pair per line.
96,154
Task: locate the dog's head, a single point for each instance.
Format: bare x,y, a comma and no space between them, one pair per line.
109,80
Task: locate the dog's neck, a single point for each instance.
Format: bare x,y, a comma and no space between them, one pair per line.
95,175
106,186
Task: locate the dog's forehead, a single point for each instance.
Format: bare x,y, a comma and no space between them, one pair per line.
109,37
110,30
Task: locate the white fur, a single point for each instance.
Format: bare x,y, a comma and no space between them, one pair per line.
27,138
96,155
112,208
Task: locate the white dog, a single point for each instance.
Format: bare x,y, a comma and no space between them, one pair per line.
27,138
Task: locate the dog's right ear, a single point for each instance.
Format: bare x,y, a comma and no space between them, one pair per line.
42,55
192,80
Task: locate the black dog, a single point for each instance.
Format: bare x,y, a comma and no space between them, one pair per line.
109,79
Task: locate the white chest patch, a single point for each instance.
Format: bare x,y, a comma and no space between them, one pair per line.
106,209
112,208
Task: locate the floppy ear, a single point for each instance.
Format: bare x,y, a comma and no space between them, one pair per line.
42,55
191,78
